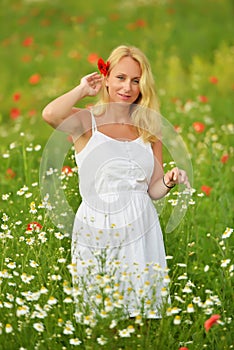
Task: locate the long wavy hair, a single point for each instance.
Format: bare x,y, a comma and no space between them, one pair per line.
145,110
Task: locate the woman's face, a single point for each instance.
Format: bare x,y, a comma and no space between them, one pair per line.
123,81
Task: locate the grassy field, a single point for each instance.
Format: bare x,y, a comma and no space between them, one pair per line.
46,47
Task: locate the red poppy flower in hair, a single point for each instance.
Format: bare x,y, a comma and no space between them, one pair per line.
103,67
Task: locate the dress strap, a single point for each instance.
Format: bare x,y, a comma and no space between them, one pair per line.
94,125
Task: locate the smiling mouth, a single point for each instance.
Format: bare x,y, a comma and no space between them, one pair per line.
124,96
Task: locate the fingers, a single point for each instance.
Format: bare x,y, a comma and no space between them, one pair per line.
179,176
94,79
92,83
183,178
175,175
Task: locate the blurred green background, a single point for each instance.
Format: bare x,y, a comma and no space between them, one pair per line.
55,43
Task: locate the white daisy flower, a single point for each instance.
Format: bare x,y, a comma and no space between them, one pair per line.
39,327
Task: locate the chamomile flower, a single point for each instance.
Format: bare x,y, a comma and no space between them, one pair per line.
67,290
39,327
190,308
102,340
43,290
52,300
68,300
103,314
8,305
56,277
37,148
5,196
227,233
183,277
164,292
187,290
166,279
113,324
131,329
33,209
5,217
33,264
8,328
124,333
69,328
225,262
26,278
75,341
177,320
108,306
22,310
4,227
12,265
175,310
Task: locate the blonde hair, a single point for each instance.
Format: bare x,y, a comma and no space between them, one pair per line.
145,110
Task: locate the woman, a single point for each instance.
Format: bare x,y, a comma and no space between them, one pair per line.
119,156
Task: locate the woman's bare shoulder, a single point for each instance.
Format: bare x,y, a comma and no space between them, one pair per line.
77,122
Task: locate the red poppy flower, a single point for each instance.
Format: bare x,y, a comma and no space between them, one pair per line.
224,158
28,41
206,189
103,67
66,169
34,79
198,127
10,174
14,113
213,80
93,58
211,321
183,348
16,96
34,226
69,138
141,23
203,99
177,128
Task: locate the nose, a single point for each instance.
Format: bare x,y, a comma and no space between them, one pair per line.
127,85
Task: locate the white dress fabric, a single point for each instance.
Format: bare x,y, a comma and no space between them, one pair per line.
116,229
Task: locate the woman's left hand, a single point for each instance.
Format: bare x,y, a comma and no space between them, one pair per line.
176,176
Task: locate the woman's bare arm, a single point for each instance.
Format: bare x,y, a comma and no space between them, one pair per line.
161,183
64,106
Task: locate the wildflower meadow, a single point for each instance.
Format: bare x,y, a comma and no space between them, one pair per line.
46,47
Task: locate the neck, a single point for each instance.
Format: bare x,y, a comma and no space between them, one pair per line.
118,113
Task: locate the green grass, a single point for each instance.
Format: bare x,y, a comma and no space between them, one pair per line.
187,43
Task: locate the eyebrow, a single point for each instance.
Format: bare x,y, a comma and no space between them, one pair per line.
120,73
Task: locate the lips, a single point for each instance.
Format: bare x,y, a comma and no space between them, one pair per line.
124,97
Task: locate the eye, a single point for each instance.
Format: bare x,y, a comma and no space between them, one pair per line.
120,77
136,81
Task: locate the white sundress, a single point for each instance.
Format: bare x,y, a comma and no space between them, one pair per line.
116,232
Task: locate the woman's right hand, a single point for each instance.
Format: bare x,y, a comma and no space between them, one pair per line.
64,106
92,84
